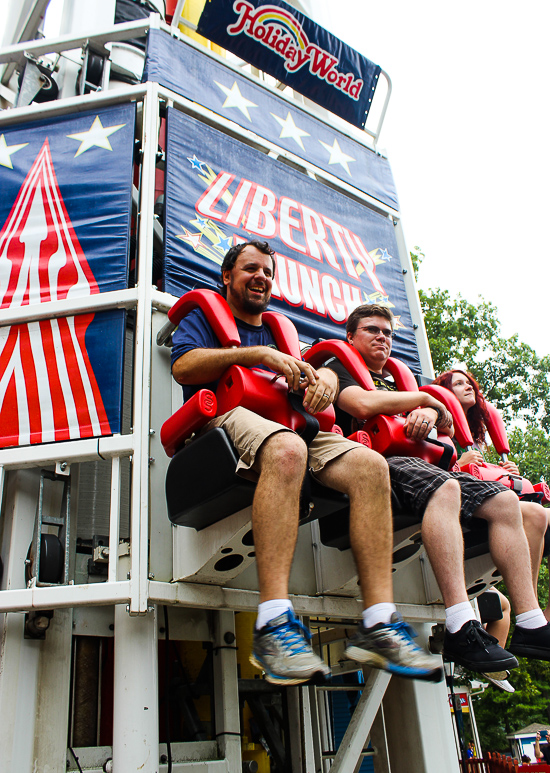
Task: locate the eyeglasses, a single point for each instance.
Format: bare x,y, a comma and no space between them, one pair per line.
374,331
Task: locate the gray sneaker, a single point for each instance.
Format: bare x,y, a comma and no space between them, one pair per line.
281,649
391,647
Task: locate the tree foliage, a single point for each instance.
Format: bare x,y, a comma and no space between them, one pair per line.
510,373
517,381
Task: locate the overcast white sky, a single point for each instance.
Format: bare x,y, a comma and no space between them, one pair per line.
467,134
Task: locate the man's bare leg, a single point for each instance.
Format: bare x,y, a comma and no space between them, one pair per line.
444,543
509,548
535,522
275,511
281,644
363,475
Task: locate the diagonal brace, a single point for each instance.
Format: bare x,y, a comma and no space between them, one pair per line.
360,724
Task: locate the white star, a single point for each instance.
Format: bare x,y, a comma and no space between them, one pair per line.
236,99
96,135
193,239
289,129
337,156
6,151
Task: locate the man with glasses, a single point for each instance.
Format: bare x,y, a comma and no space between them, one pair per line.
441,499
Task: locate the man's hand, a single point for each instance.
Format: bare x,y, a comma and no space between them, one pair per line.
322,393
289,367
470,457
421,421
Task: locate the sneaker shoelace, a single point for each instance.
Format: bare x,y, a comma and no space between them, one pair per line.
478,635
294,635
405,632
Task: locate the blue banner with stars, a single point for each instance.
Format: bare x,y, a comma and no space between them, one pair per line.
64,233
332,253
278,39
208,82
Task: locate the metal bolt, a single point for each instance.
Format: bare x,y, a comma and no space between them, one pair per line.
63,466
128,575
151,576
151,460
151,431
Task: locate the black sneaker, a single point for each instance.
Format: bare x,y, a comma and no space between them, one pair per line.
531,642
474,648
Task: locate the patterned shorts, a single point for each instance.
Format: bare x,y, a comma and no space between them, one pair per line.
414,481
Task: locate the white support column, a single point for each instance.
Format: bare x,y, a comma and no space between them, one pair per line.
53,694
136,718
19,657
228,727
139,527
418,725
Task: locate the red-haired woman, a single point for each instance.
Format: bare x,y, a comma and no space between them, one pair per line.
535,517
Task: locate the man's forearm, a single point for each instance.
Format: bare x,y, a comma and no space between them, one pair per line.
363,404
201,366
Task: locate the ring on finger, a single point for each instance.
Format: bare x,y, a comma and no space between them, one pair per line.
325,395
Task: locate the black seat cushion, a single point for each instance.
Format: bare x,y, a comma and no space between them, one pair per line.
202,486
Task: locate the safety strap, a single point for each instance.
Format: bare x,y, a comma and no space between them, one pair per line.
447,455
309,432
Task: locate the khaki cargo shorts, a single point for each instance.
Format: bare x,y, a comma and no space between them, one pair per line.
248,430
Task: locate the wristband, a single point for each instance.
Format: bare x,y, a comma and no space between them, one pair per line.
439,414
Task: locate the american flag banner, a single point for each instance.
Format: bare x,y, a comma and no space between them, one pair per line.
65,236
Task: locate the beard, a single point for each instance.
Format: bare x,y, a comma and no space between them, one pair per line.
255,305
251,304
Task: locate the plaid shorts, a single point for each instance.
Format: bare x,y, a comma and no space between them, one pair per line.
413,482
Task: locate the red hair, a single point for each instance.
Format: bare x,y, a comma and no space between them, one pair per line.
477,416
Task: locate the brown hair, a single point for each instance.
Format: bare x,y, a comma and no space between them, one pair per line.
477,416
367,310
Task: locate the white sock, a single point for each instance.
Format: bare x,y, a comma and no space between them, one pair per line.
378,613
457,615
532,619
269,610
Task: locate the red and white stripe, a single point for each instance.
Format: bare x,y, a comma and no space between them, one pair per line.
48,390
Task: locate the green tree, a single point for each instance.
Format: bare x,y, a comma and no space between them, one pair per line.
515,379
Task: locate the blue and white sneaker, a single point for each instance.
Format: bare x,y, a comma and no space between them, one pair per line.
282,649
391,648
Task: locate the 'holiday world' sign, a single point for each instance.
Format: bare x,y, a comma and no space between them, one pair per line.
280,40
